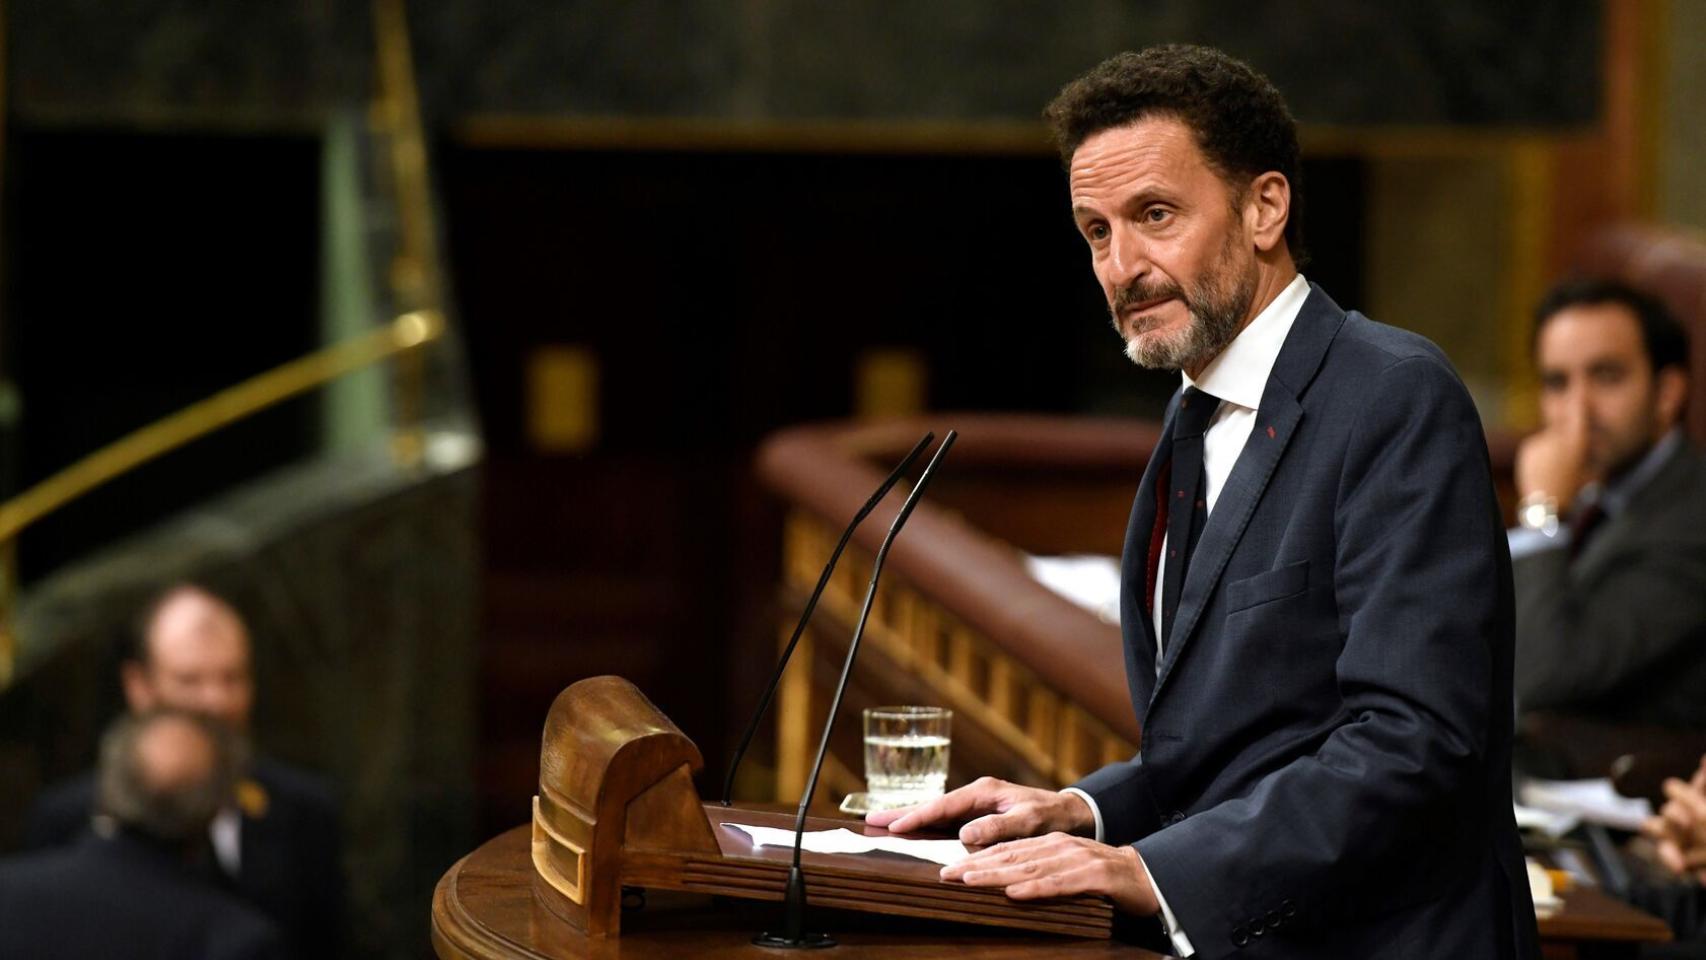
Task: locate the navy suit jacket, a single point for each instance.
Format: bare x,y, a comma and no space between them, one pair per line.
291,861
1325,764
124,897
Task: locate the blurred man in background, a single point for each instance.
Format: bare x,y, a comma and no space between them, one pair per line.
131,887
274,839
1610,569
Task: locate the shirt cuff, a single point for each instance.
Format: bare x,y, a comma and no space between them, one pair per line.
1181,943
1095,811
1525,542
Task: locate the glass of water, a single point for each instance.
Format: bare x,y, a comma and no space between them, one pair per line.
906,755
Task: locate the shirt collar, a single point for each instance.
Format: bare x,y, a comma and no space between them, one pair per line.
1240,373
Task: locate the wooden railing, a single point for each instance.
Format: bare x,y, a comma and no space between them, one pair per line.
1037,684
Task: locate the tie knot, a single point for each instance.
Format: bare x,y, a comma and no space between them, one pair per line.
1195,410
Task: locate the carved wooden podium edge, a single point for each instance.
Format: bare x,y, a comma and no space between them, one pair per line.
616,806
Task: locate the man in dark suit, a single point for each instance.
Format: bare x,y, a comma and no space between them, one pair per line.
1316,603
129,889
276,839
1611,561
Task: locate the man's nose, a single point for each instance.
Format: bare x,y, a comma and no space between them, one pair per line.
1128,256
216,698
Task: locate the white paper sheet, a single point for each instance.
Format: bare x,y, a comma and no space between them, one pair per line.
843,840
1554,825
1594,801
1091,581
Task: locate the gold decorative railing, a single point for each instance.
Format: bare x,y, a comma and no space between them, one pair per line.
419,320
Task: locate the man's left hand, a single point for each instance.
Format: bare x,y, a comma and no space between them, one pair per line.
1060,865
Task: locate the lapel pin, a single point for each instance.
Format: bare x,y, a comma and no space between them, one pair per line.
251,799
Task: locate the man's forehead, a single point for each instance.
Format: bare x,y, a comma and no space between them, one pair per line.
195,625
1591,330
1153,149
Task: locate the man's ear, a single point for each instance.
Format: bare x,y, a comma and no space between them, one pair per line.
1672,394
138,692
1267,208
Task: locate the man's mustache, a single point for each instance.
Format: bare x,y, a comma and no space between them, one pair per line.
1136,294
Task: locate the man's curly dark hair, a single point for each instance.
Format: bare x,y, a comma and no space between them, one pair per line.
1240,120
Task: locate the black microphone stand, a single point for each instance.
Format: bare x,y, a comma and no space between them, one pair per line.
811,605
794,935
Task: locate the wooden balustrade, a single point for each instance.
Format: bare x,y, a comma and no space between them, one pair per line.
1037,685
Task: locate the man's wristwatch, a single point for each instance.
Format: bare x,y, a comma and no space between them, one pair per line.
1538,511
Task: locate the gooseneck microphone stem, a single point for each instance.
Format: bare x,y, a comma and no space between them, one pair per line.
793,933
811,605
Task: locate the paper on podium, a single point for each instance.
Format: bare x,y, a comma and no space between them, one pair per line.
1594,801
846,841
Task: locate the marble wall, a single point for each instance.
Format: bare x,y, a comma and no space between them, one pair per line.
1456,62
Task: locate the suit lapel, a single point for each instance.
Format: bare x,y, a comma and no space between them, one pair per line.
1137,626
1276,423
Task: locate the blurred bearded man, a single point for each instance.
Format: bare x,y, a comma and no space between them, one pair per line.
130,889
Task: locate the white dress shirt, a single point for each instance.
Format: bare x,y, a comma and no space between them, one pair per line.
226,832
1238,376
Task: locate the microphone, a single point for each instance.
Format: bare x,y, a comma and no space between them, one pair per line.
793,935
811,604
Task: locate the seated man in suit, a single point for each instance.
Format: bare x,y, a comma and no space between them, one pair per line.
1610,565
1316,600
130,888
275,840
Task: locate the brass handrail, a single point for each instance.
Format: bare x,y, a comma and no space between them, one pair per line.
408,332
396,108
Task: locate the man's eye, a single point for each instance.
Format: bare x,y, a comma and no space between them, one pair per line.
1156,214
1097,232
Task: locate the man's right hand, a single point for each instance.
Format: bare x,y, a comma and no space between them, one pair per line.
1554,462
997,811
1679,829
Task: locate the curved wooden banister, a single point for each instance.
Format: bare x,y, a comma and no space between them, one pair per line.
827,470
1037,683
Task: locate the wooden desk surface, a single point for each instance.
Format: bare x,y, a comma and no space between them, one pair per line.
483,909
1590,921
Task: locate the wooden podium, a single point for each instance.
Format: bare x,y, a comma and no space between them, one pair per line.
617,808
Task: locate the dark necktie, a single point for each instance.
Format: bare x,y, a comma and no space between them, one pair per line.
1583,525
1187,507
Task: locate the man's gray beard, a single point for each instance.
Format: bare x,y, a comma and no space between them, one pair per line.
1214,322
